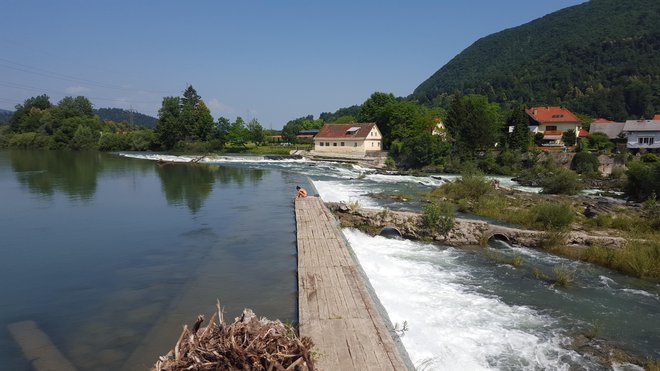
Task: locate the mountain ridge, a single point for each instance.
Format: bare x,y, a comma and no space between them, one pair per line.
602,51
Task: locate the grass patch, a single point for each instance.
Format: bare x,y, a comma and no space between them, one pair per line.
553,216
553,240
564,276
517,260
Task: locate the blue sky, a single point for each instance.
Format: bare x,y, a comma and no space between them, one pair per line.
269,60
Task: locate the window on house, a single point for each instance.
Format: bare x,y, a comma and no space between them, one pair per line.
321,144
353,130
355,144
342,144
646,140
334,144
551,128
327,144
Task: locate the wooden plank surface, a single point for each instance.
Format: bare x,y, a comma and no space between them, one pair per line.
335,308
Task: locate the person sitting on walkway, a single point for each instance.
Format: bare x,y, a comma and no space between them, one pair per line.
302,193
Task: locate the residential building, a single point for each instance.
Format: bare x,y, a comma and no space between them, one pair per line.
612,129
355,139
642,134
553,122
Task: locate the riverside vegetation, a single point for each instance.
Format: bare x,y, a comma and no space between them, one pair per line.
558,214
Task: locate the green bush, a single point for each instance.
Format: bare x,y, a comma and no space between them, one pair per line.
29,140
439,218
553,216
643,179
562,182
586,163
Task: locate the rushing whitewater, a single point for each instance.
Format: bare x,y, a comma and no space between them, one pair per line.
450,326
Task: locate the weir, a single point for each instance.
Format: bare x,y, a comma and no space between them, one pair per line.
336,309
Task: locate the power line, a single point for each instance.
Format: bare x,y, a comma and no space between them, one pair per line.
13,85
6,63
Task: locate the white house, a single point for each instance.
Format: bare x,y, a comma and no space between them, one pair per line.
348,139
642,134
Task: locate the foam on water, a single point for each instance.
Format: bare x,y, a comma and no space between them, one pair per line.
339,191
450,325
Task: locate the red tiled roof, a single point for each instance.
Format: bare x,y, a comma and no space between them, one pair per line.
551,114
602,121
583,133
339,131
657,116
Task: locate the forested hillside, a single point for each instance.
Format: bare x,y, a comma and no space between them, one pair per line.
122,115
599,58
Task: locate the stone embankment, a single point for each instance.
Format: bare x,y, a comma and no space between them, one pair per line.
464,233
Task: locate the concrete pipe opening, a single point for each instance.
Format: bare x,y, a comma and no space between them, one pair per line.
390,232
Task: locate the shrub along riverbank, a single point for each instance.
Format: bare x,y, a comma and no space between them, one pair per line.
639,224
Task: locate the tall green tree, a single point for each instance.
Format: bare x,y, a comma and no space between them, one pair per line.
568,137
473,123
238,134
190,97
256,132
169,129
519,137
203,120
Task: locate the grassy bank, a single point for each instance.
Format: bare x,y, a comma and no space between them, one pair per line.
557,215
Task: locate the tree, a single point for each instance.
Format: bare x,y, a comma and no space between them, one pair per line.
256,132
72,107
238,134
568,137
473,123
168,128
190,97
600,141
36,105
519,138
203,122
371,108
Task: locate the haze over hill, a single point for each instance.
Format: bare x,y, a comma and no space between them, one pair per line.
598,58
122,115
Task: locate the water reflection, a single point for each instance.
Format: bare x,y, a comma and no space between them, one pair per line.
238,175
45,172
186,184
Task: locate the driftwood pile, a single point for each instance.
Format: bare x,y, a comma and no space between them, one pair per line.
247,344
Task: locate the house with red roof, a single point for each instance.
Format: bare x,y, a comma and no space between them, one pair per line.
355,139
553,122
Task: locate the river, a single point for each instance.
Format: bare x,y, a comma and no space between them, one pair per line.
102,250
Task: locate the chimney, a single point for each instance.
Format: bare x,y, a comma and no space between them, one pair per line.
535,111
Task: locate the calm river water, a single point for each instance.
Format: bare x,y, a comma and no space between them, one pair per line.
110,254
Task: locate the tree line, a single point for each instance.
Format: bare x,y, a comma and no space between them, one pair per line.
184,123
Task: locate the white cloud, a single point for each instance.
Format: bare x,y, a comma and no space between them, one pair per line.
218,108
76,89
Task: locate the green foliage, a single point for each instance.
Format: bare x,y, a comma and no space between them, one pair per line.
128,116
184,119
568,137
565,58
470,186
29,140
553,240
255,132
473,123
586,163
639,257
562,182
643,180
352,111
294,127
424,149
600,142
519,138
439,217
553,216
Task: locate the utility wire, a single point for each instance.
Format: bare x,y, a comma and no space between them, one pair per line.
6,63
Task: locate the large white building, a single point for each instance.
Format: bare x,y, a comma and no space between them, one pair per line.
348,139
